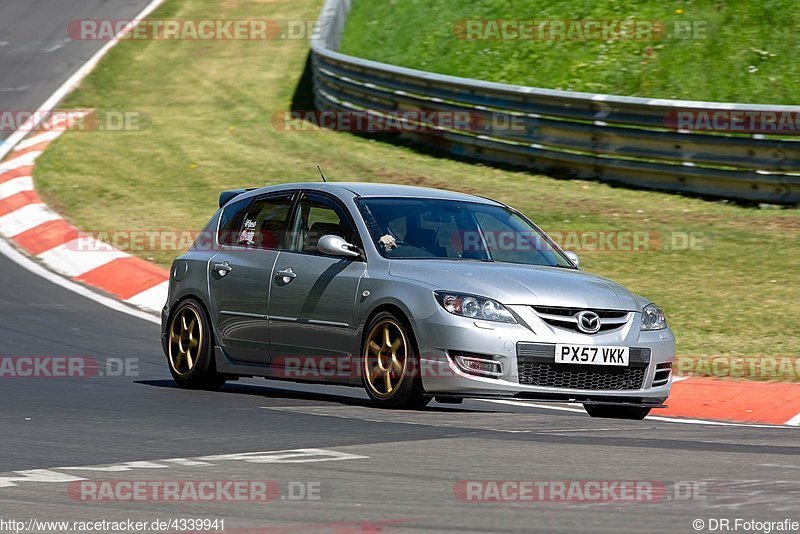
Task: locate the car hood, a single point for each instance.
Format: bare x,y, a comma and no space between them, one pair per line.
519,284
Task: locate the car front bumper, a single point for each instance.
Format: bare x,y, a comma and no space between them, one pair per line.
443,335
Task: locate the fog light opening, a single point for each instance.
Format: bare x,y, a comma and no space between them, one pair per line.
662,374
478,366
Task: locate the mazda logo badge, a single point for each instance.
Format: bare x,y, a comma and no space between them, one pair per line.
588,322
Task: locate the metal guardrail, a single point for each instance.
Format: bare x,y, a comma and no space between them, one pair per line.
584,135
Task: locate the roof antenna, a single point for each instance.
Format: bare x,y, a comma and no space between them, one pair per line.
320,173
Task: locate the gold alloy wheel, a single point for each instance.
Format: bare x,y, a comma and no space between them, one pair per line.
185,340
386,358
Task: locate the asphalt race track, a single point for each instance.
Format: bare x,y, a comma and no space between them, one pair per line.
371,469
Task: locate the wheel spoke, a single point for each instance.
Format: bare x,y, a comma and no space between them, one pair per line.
375,373
387,337
396,345
397,366
385,359
185,340
388,379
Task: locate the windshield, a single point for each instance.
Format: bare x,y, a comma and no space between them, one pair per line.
419,228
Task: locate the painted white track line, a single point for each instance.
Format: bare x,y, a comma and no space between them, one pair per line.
43,137
649,417
26,218
794,421
65,258
73,81
43,233
30,265
151,299
24,160
70,260
17,185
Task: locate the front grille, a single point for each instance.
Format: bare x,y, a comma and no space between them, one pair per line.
565,317
562,375
535,367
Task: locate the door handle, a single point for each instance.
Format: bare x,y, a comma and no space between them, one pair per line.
286,276
222,268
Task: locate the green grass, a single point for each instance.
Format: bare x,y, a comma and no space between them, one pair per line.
749,52
211,106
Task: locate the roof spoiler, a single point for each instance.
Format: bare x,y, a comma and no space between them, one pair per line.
227,196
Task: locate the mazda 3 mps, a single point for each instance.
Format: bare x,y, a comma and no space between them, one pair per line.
411,293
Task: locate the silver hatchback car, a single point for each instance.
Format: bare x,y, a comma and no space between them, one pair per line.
413,294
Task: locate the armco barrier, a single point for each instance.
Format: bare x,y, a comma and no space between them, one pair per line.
584,135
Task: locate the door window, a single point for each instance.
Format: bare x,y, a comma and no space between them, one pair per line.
266,222
320,216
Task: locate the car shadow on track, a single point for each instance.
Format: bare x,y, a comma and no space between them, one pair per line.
290,394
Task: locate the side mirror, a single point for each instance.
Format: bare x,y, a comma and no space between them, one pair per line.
573,257
336,246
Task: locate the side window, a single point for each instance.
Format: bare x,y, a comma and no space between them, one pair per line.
265,223
231,221
320,216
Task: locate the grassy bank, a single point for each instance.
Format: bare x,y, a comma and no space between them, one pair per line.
210,107
738,51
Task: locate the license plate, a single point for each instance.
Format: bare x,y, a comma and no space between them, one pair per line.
592,355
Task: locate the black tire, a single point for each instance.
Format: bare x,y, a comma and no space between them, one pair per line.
609,411
190,348
406,389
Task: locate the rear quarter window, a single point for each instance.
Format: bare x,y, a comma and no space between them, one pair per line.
230,221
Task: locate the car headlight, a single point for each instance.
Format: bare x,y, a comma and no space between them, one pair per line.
474,307
653,318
